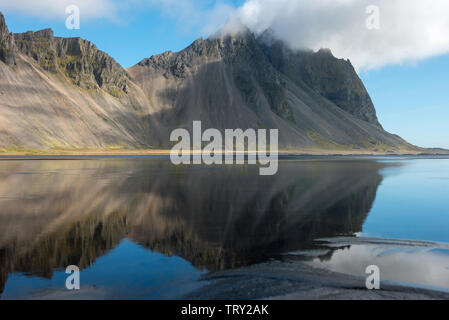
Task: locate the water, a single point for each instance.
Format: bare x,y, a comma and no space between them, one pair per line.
414,200
143,228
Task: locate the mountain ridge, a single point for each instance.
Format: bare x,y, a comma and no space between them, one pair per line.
237,76
64,93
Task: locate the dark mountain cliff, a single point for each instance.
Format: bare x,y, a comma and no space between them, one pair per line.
316,100
7,47
332,78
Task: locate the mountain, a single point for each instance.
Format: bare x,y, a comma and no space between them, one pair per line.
64,93
316,100
7,47
334,79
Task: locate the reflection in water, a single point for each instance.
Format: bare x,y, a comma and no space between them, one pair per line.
57,213
428,267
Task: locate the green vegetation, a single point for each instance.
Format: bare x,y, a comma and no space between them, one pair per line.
326,143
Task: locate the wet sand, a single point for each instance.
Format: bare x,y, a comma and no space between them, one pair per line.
296,280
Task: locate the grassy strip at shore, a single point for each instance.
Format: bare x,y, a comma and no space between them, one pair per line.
138,152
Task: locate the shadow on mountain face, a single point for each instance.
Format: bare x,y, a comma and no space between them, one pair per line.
58,213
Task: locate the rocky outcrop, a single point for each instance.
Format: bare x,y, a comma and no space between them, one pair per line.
78,59
7,46
328,76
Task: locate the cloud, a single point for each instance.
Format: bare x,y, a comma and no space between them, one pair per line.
410,30
55,9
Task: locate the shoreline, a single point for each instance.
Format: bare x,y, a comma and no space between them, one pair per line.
164,152
279,280
299,280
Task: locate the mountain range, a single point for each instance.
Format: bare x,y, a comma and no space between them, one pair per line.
65,94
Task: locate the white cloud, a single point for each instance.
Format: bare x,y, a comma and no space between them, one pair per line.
55,9
410,30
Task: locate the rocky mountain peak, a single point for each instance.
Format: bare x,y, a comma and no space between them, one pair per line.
3,26
7,45
78,59
217,47
333,78
40,34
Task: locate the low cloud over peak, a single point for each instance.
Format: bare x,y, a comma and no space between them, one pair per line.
408,30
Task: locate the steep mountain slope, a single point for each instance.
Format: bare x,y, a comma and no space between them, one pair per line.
241,82
334,79
64,93
7,47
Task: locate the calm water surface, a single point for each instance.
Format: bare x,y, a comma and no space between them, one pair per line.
142,228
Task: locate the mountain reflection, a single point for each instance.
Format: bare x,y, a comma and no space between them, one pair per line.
57,213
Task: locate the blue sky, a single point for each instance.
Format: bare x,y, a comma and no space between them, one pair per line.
411,97
413,100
